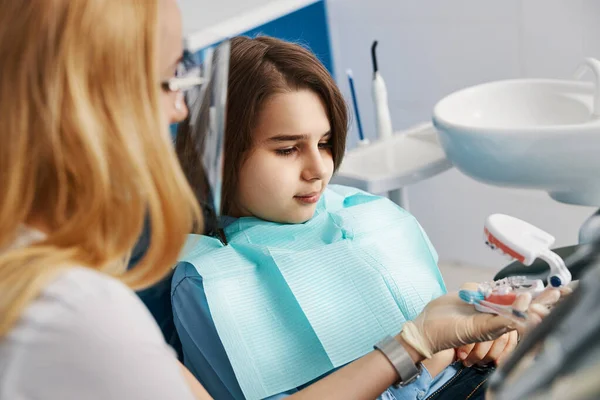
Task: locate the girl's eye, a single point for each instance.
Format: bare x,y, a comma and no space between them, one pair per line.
286,152
325,145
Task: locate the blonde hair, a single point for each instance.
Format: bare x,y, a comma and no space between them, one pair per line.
85,147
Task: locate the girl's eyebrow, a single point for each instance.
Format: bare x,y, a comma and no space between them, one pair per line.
293,138
287,138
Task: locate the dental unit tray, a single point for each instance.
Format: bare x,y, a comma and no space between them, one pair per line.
407,157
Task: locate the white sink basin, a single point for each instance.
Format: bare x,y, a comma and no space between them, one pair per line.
529,133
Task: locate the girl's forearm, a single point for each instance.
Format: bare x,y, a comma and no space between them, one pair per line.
439,362
365,378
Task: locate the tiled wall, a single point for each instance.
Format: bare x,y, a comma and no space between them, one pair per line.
430,48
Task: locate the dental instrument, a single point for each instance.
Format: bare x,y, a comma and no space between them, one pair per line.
362,141
478,299
525,242
383,119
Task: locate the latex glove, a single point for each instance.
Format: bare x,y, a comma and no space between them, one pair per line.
448,322
495,351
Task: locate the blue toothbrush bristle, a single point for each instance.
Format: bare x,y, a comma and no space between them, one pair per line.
471,296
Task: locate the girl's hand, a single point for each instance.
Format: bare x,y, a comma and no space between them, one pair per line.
486,352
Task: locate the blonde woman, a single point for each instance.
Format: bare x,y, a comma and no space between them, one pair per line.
84,155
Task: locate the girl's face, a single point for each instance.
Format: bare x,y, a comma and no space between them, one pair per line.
290,162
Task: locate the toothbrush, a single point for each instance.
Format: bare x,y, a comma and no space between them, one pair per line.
478,299
383,119
525,242
361,136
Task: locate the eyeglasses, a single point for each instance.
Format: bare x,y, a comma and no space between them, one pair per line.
187,75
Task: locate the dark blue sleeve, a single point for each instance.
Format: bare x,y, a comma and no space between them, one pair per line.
158,301
157,297
203,352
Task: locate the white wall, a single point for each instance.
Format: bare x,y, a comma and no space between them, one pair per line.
200,14
430,48
206,23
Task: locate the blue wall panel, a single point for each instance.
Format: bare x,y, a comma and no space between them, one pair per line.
307,26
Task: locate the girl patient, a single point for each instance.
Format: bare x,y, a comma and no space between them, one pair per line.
312,276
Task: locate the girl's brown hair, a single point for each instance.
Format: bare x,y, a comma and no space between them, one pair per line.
258,69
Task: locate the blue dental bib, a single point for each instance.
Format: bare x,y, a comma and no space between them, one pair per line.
293,301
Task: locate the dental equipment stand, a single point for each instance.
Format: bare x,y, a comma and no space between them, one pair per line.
387,166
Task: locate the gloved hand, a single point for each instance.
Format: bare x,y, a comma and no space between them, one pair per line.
448,322
495,351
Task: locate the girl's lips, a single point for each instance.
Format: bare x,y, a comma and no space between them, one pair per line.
310,198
